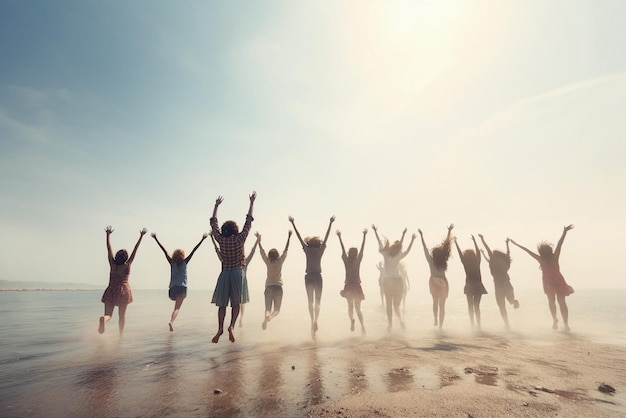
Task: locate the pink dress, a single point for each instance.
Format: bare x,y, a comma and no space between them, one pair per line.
118,292
553,280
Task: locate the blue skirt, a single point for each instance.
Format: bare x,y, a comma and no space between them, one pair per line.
229,288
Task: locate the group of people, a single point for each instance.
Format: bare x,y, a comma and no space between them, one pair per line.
232,286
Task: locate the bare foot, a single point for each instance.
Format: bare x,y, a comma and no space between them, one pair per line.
101,326
435,323
352,325
555,325
217,336
363,332
566,328
231,336
171,327
315,326
515,304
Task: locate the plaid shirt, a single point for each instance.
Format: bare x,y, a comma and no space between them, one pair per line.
231,248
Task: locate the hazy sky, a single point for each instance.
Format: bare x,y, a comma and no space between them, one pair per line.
504,118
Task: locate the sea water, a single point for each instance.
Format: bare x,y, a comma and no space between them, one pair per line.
53,362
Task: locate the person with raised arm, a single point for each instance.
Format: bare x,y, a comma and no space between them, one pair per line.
178,275
274,281
554,284
499,264
352,290
229,287
393,281
438,283
314,250
118,292
474,288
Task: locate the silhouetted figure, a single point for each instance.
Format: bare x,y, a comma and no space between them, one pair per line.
274,281
554,284
178,276
118,292
381,281
499,264
407,285
438,283
352,290
474,288
314,250
393,282
229,287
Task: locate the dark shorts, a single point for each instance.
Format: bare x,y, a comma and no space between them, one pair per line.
178,291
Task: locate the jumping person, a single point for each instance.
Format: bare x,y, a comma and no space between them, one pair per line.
499,264
393,281
352,290
554,284
438,283
274,281
178,275
474,288
229,287
314,250
118,292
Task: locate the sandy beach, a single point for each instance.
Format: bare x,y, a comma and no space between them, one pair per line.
59,366
482,376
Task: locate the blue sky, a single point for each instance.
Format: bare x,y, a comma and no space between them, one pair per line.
505,119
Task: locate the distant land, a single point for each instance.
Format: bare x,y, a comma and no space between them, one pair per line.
19,285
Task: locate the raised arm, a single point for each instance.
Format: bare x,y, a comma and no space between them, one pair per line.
109,231
252,199
402,237
287,244
485,255
532,254
215,231
456,244
450,227
343,250
293,223
426,253
557,251
375,229
404,254
169,259
196,247
482,239
478,253
217,249
332,219
508,248
363,243
251,253
132,255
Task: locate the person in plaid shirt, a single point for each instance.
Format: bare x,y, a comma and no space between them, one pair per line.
229,285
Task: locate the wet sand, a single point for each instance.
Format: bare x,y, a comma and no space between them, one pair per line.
437,375
62,367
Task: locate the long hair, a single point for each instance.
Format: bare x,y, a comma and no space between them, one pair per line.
545,250
441,254
121,257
